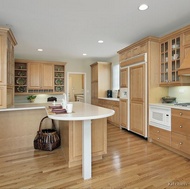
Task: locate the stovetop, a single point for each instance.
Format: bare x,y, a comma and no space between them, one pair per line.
183,104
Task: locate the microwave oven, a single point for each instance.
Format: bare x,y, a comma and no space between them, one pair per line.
160,117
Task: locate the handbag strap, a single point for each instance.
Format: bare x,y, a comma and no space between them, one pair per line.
53,124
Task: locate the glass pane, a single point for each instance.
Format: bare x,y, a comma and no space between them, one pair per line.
173,66
162,47
173,76
162,77
166,46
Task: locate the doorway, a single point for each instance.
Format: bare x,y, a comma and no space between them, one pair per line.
76,86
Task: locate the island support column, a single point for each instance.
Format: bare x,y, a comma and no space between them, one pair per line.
86,150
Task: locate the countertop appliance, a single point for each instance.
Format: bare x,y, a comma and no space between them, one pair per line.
109,93
160,117
51,99
123,93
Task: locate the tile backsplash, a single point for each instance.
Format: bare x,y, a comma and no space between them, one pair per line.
181,93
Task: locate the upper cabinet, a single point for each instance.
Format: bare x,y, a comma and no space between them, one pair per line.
39,77
170,60
124,78
7,43
173,49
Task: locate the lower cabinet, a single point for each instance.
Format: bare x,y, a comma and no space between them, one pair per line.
114,105
6,96
160,135
181,130
123,103
178,140
71,140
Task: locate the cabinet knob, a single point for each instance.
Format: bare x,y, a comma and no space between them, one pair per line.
180,126
180,113
158,138
181,143
158,131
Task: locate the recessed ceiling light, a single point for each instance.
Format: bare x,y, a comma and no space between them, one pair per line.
100,41
143,7
84,54
40,50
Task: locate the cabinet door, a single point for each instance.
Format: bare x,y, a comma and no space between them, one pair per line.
3,96
40,76
34,76
47,76
123,112
171,61
94,93
116,115
2,60
94,72
137,99
124,78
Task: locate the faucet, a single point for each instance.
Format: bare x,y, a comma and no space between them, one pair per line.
64,101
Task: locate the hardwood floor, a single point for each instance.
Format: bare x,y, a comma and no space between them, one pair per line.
131,163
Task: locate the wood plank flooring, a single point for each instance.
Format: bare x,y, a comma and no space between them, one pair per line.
131,163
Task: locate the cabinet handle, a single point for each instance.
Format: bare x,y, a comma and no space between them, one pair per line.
158,138
180,126
158,131
181,143
180,113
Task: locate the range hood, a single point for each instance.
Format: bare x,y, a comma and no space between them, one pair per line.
184,69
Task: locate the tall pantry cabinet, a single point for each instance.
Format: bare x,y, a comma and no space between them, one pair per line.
142,62
100,80
7,43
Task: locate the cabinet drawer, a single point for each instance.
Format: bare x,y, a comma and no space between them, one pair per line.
181,142
181,113
160,135
181,125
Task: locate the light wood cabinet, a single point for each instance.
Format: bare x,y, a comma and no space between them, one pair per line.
134,50
173,48
39,77
137,99
170,60
123,113
145,50
124,78
71,140
7,43
114,105
100,80
181,130
160,135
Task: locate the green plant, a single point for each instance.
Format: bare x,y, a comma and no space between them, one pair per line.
31,97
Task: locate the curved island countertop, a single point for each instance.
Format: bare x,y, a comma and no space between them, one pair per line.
82,111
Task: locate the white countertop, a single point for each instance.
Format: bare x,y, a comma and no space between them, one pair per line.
83,111
104,98
26,106
170,105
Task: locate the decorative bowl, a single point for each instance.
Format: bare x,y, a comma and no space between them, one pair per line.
168,99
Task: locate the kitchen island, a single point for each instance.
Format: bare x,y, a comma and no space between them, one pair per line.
75,130
20,123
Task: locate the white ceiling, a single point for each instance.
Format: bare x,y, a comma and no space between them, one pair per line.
66,29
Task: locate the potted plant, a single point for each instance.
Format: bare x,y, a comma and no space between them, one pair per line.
31,98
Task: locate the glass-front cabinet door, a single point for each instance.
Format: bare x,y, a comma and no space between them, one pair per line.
170,61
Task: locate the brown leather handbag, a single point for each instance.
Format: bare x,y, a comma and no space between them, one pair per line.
47,139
